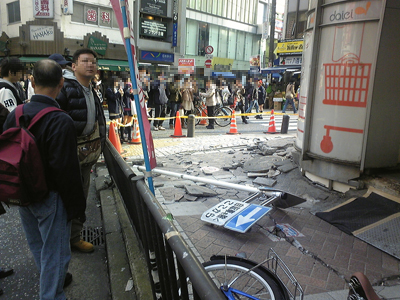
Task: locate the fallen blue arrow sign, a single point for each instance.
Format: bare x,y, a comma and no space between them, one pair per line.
247,217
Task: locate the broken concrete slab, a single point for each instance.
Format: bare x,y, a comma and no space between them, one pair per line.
209,170
261,164
264,181
280,143
287,167
258,174
273,173
200,191
282,162
189,197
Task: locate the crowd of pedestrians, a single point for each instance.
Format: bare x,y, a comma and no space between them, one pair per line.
71,142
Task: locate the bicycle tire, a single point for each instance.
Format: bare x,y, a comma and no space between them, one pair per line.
197,113
259,283
223,111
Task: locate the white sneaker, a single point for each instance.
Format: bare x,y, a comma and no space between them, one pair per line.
161,128
155,128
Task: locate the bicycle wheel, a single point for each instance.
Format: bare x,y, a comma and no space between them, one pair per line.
258,283
197,113
223,111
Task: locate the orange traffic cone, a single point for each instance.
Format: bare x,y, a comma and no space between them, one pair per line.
271,128
114,139
203,121
136,133
178,127
233,129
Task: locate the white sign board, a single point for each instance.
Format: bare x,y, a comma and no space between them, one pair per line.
222,212
247,218
43,9
41,33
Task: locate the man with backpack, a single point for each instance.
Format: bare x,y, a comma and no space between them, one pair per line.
11,72
47,221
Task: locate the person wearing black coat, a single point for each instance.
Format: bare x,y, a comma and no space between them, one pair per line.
115,104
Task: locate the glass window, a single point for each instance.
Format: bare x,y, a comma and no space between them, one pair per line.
256,44
240,45
215,7
113,20
248,44
209,6
14,14
232,43
224,6
198,4
223,42
91,15
252,13
78,15
191,3
242,11
220,6
191,36
203,41
229,10
234,9
105,17
214,37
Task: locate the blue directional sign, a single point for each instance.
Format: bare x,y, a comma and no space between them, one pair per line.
246,218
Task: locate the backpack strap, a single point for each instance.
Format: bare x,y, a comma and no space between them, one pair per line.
42,113
19,111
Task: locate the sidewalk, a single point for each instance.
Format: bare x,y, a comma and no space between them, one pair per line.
332,255
105,274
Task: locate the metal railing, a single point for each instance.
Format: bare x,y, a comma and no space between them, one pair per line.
169,259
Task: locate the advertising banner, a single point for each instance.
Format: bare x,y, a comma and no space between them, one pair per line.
186,65
43,9
288,47
154,7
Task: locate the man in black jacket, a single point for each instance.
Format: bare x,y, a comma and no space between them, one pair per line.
47,224
80,101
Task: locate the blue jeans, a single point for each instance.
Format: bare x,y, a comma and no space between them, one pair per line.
291,102
47,231
251,105
174,108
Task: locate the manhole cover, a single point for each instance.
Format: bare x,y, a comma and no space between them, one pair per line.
261,164
93,235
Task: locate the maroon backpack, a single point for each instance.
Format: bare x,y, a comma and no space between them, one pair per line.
22,179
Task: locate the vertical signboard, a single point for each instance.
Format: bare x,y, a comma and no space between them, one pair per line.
67,7
347,54
175,24
43,9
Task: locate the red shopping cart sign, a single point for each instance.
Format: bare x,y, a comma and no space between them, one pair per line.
346,84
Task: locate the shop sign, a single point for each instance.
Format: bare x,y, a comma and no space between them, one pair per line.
186,65
290,60
288,47
153,56
97,45
175,24
154,7
91,15
43,9
153,28
67,7
41,33
353,11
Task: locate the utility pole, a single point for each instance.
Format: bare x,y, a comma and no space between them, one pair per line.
272,34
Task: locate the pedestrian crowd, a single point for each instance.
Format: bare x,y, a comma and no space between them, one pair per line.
71,138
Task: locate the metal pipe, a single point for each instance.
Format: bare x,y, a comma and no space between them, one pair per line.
212,181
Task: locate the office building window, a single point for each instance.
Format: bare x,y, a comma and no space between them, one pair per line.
203,40
191,37
14,14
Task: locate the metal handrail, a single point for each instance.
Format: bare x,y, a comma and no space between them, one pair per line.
169,259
